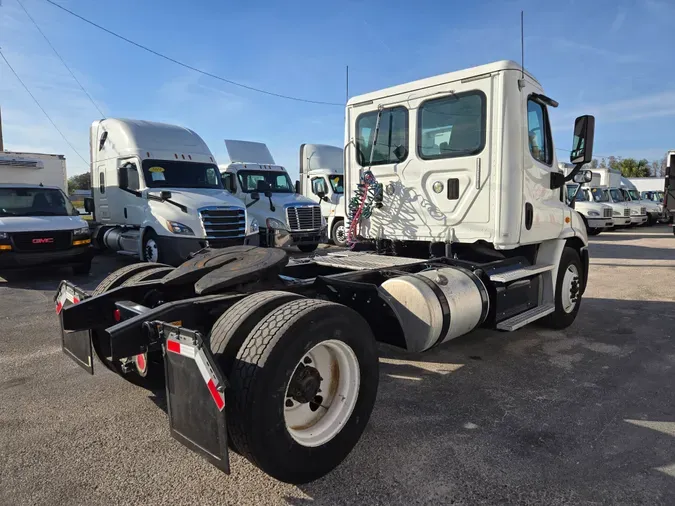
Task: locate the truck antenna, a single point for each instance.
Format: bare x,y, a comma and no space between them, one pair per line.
521,82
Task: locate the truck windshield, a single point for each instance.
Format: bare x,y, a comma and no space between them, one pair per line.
337,183
180,174
634,194
34,202
599,195
264,180
617,196
581,196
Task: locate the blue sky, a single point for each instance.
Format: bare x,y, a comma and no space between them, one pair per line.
612,59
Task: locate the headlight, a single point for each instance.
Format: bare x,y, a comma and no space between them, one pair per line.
178,228
275,224
254,228
3,235
81,231
593,213
659,207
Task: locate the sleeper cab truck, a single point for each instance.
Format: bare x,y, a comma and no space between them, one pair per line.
158,194
276,358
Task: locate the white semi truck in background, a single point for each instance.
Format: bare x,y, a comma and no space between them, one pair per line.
158,194
655,210
38,224
285,218
321,179
276,357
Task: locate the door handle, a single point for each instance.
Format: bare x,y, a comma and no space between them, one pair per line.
477,173
125,212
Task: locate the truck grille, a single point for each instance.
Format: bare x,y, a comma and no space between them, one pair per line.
643,210
51,240
626,212
607,213
304,218
223,223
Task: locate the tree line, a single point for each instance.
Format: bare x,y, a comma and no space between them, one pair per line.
630,167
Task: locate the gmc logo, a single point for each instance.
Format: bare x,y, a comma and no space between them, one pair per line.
45,240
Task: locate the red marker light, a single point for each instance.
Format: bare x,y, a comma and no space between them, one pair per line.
75,300
59,307
117,315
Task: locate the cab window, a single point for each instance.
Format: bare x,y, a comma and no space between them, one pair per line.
539,132
392,139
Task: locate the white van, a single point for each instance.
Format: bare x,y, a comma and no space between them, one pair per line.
38,224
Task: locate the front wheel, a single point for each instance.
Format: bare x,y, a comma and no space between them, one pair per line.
151,249
567,291
307,248
302,389
338,234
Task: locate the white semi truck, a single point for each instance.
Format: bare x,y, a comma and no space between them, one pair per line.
38,224
158,194
322,180
276,357
286,219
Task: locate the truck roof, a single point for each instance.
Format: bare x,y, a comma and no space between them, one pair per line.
458,75
132,134
21,154
251,166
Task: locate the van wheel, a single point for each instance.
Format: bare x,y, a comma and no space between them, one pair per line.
302,389
338,234
567,291
151,250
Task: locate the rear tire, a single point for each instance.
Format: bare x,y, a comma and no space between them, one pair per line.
307,248
148,274
567,291
271,356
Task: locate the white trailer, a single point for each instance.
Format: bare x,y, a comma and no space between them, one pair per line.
158,195
286,219
322,180
38,224
288,374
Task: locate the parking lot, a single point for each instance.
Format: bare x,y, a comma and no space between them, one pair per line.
581,416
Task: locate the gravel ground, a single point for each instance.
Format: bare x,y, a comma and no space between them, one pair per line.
582,416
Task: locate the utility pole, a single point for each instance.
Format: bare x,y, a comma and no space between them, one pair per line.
2,144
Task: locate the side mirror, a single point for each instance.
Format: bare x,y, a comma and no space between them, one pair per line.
583,176
228,182
401,153
89,204
255,195
582,144
164,195
297,187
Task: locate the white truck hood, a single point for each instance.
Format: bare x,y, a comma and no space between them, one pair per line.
40,223
260,210
584,207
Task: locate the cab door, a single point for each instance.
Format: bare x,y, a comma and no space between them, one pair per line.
543,210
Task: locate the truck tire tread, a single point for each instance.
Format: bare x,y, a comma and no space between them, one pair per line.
116,278
145,275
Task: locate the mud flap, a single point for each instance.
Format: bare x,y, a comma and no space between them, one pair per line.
195,394
75,344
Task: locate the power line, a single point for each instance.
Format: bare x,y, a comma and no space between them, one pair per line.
42,109
187,66
59,57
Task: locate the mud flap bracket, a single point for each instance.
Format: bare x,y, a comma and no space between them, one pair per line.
75,344
195,394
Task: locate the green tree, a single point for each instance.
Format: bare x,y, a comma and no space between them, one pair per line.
79,182
630,167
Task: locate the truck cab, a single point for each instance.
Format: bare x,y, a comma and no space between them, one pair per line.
158,194
654,210
612,180
322,180
620,211
38,223
286,219
597,216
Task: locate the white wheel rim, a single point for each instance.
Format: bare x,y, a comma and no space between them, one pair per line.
151,251
570,288
316,422
340,234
